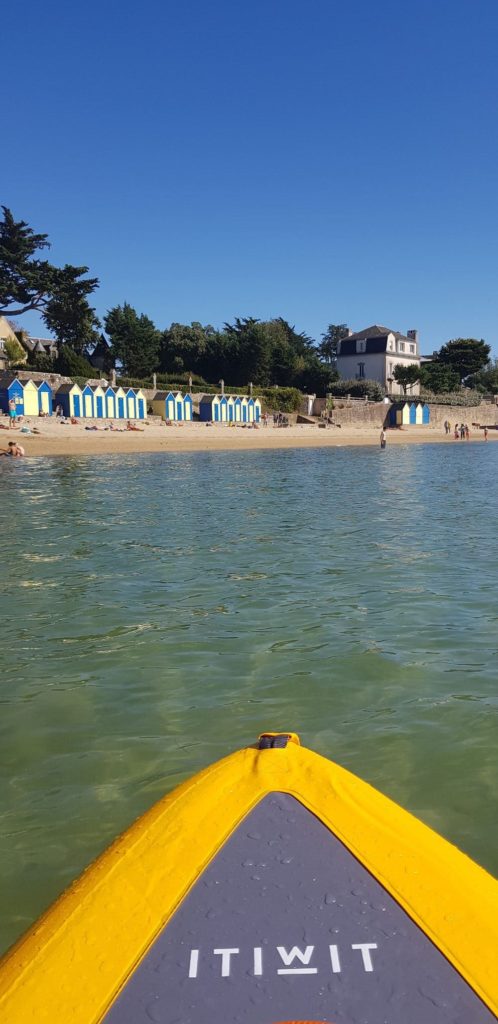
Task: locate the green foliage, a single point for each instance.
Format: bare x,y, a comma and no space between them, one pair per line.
281,399
439,377
13,350
486,380
71,364
465,355
463,398
406,376
331,338
364,388
28,283
43,363
135,341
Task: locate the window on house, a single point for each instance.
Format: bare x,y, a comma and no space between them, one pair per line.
402,346
412,348
361,370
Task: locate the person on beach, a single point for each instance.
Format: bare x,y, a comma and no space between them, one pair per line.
12,414
485,433
456,434
467,432
15,450
382,438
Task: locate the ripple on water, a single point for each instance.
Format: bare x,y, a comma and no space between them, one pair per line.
158,623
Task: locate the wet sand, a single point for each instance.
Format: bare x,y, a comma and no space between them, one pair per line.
73,439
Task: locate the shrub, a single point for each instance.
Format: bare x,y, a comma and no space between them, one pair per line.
364,388
462,398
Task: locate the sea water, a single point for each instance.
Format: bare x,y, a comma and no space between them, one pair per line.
160,611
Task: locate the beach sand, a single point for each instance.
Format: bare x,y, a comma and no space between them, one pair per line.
72,439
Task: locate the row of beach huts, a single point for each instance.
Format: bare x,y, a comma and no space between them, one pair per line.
94,401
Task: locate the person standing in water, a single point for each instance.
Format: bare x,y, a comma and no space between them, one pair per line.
382,438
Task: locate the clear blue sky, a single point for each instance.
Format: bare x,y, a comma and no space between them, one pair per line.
317,160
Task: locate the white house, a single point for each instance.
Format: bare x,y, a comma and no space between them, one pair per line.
373,354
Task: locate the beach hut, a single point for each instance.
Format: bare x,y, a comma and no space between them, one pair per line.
412,413
188,408
45,395
130,404
141,404
426,414
164,405
120,400
70,399
209,408
231,409
257,410
110,403
244,402
418,413
237,409
88,403
250,410
223,409
98,401
11,389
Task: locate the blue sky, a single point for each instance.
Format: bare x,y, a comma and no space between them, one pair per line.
321,161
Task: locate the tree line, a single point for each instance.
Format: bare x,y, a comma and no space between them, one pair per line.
266,352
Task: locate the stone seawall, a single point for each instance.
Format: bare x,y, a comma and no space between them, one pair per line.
358,413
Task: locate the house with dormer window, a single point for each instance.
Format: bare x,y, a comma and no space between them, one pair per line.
373,354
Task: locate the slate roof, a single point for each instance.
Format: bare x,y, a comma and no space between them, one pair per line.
376,331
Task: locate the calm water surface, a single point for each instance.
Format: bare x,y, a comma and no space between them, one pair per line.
159,612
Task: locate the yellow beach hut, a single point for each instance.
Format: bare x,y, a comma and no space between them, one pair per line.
98,401
120,399
250,410
237,409
257,410
70,399
110,403
30,398
231,409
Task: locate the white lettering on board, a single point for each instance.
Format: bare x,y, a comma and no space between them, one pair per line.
296,954
365,952
226,955
194,963
289,957
334,959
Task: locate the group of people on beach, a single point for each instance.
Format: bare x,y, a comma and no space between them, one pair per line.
14,450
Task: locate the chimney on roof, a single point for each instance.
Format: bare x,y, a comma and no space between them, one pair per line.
413,336
349,332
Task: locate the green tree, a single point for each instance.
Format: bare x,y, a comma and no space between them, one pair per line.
486,380
331,338
30,283
406,376
439,377
464,355
67,313
71,364
14,350
183,347
135,340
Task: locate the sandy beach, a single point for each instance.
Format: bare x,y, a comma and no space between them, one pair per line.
68,439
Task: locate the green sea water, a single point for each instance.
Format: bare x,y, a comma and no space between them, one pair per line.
159,612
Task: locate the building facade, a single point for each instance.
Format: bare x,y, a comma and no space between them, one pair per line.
373,354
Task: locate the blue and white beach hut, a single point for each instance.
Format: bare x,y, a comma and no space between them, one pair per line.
88,402
45,396
11,389
237,409
244,409
250,410
131,404
231,409
257,410
426,414
188,408
70,400
110,403
209,408
141,404
223,409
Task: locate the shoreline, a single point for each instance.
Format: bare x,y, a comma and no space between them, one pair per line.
74,440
